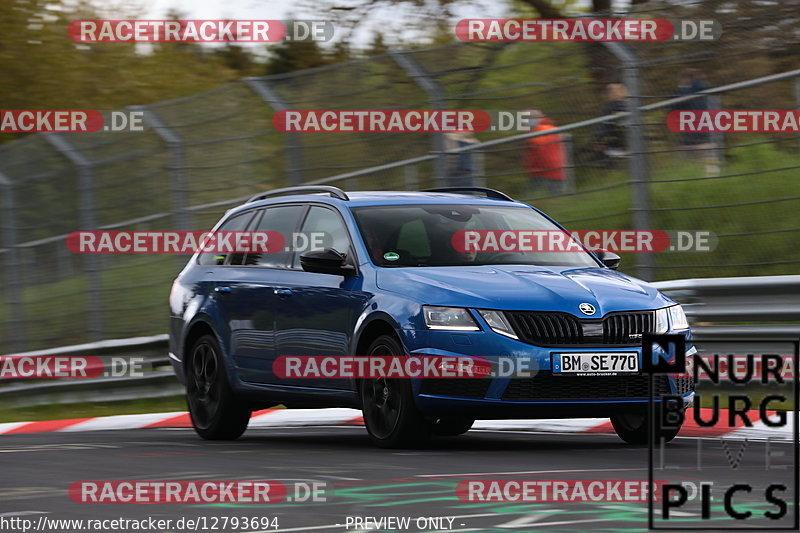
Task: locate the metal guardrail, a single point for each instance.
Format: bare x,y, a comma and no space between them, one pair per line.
153,349
750,299
156,381
756,304
764,307
157,384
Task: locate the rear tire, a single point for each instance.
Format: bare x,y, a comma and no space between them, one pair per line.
215,412
633,428
390,416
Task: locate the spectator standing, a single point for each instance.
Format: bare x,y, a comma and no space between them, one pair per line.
545,158
697,144
460,166
611,135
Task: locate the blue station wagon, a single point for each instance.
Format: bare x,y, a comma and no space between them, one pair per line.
387,281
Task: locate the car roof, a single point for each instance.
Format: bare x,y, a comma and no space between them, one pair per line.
367,198
385,198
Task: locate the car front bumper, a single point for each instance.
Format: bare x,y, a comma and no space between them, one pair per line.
534,392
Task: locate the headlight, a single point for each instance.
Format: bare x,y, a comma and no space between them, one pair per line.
662,320
450,318
677,318
671,317
498,323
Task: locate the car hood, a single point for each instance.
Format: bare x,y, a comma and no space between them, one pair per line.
522,287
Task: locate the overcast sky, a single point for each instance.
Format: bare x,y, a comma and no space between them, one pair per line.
389,20
229,9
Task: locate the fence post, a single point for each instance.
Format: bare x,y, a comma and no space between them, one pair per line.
92,264
717,138
410,179
571,186
436,100
796,82
16,307
177,166
478,168
639,179
292,143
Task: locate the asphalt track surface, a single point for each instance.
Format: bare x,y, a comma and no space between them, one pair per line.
363,481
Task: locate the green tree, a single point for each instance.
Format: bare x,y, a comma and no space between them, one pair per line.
377,45
237,58
288,56
42,68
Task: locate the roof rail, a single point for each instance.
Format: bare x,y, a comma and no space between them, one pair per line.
333,191
490,193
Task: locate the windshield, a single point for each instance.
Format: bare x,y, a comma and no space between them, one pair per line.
433,235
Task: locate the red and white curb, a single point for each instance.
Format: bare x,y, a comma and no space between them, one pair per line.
351,417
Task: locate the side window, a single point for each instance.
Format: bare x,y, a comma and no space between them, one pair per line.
236,223
283,219
324,226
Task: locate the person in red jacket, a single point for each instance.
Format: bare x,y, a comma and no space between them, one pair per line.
545,158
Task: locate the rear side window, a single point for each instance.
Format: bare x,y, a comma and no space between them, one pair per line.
284,219
235,223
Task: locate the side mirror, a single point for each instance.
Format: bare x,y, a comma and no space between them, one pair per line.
326,261
609,259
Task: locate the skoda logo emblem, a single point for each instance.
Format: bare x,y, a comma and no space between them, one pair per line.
586,309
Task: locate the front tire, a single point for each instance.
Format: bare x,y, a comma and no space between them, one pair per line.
633,429
390,416
215,412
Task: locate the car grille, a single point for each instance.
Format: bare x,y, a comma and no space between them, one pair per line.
684,385
544,386
458,387
561,329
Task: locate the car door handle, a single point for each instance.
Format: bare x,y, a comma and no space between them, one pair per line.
283,292
222,290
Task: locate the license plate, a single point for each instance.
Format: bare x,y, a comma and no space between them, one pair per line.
595,364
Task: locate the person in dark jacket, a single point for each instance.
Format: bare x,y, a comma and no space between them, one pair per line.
610,136
697,144
690,81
